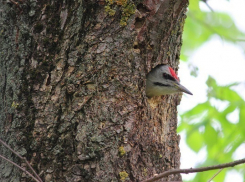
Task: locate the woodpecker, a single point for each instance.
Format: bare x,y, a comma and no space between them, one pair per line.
162,80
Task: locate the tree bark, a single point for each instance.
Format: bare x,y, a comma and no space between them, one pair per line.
73,88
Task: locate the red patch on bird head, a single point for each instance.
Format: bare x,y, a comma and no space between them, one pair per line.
173,73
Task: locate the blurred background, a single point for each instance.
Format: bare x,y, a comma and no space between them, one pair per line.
212,67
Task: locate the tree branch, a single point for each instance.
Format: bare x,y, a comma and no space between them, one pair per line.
20,168
194,170
22,158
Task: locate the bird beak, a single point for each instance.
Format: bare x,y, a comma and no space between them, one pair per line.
182,88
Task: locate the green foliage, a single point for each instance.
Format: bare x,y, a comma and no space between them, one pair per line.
208,127
201,26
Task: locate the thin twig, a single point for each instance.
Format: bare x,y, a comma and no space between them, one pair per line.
205,1
20,168
22,158
194,170
7,146
215,175
29,165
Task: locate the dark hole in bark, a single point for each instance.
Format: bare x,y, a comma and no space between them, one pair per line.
136,46
142,8
48,80
139,22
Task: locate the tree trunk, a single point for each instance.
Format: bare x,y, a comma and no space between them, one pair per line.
73,88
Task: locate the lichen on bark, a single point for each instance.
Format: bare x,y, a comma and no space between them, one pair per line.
126,9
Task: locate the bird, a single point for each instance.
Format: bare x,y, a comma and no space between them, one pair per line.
162,80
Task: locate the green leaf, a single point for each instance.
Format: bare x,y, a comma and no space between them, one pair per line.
221,92
210,136
196,111
194,5
201,26
195,141
205,125
218,134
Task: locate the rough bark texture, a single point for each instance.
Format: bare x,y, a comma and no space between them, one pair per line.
72,81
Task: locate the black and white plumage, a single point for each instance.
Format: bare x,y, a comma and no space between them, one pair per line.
162,80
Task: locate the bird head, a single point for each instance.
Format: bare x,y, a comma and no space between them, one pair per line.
162,80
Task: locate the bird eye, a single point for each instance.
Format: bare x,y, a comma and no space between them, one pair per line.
168,77
165,75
